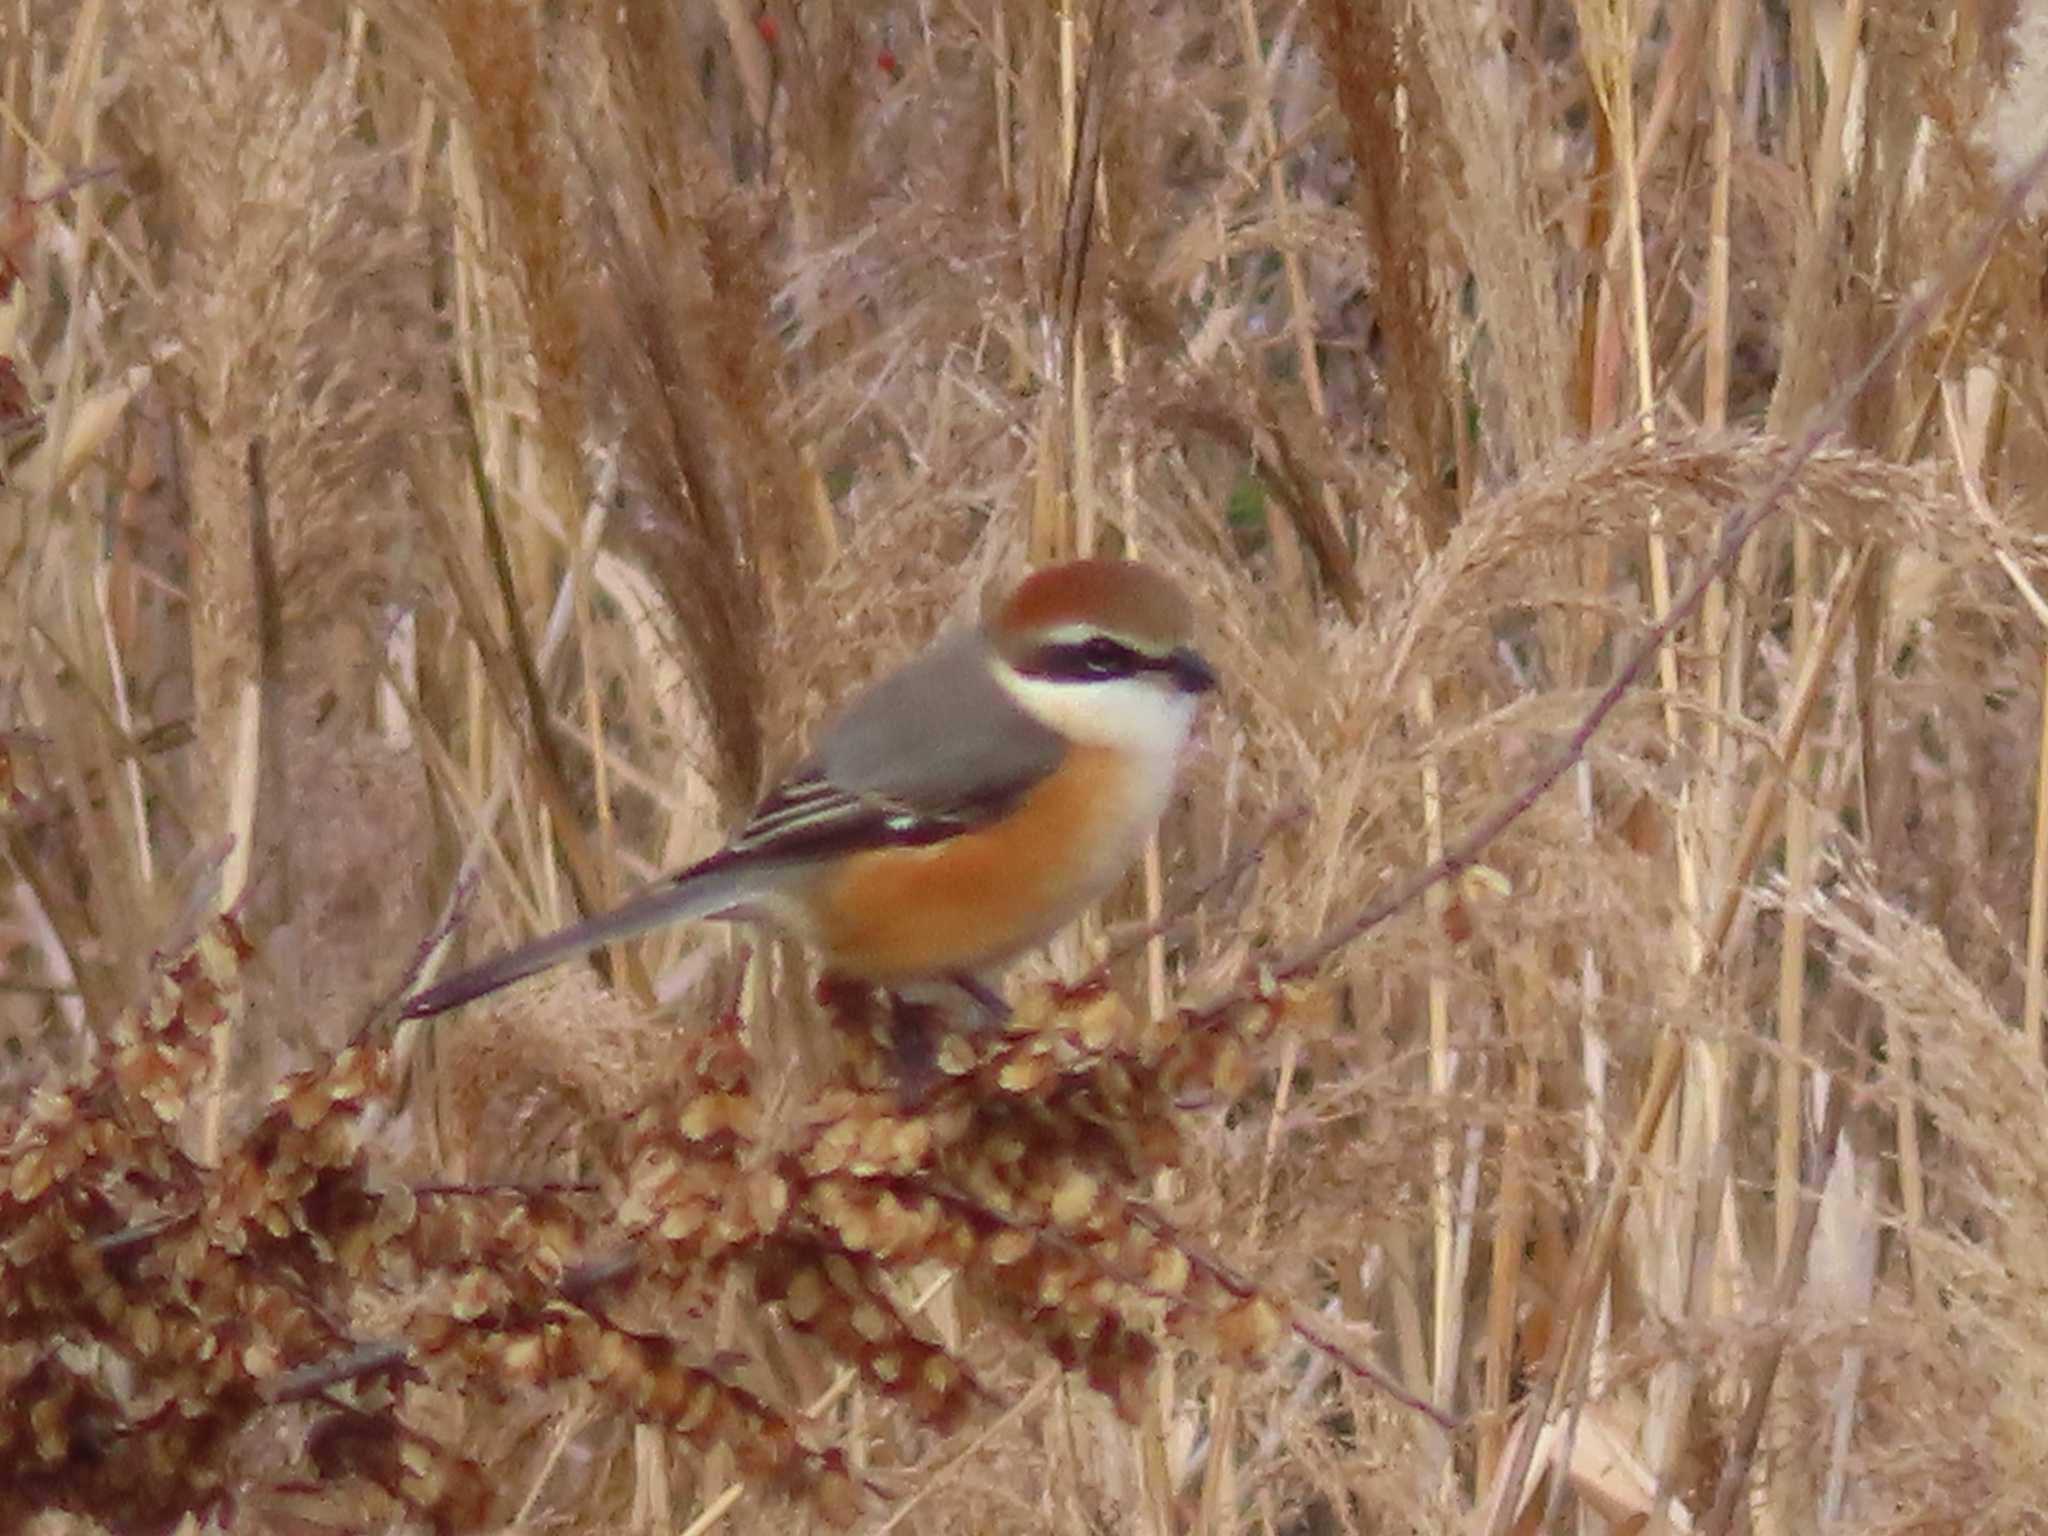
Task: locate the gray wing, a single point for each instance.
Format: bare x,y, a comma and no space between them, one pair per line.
933,751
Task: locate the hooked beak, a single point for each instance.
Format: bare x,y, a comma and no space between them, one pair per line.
1189,672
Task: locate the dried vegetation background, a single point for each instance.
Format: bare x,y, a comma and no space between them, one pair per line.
481,438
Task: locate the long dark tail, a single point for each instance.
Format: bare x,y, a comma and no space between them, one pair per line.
704,891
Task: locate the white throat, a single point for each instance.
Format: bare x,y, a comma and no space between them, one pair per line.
1138,719
1125,714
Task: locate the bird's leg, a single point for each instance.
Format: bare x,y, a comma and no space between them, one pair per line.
913,1047
916,1027
996,1010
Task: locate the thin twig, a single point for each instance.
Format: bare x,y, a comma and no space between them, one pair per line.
515,677
386,1012
1226,875
1298,1321
365,1360
484,1188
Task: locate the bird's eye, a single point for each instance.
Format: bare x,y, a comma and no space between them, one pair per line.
1103,657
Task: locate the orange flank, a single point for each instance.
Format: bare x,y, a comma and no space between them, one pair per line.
896,914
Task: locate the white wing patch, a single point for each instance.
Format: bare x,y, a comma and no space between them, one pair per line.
809,817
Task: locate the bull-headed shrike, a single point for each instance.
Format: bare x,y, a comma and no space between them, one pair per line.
962,810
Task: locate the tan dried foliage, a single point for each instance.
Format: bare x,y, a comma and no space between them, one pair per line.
447,442
161,1314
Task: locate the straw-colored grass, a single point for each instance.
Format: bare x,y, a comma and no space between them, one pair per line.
472,443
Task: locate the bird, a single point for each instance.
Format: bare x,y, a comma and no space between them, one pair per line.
962,810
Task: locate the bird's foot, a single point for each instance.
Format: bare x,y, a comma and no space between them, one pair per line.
911,1030
994,1010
